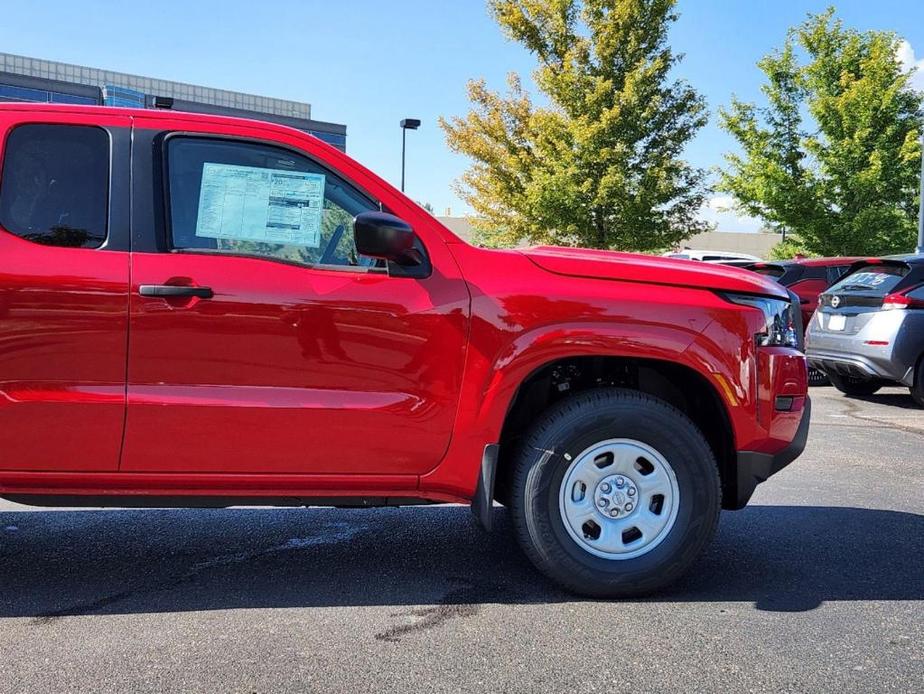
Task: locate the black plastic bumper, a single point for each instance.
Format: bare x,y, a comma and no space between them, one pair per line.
754,468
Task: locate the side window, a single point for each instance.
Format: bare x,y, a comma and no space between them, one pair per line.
251,199
54,188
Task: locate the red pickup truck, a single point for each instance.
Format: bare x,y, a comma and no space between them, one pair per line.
205,311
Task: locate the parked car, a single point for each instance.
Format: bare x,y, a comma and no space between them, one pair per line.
868,331
808,278
723,257
200,310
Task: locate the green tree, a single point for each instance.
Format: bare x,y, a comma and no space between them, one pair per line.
788,248
599,163
834,154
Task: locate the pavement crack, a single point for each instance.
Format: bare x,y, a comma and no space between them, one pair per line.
88,607
458,603
334,532
852,410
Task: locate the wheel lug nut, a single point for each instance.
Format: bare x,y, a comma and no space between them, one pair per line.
620,482
614,512
602,503
631,491
605,487
628,507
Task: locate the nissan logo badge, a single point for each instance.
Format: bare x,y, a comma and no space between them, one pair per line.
835,301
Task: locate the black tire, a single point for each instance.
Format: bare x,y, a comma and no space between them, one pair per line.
851,385
917,390
561,434
817,377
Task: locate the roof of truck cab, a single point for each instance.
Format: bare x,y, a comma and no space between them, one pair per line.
340,160
147,113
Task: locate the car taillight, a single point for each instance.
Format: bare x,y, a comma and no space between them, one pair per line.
900,301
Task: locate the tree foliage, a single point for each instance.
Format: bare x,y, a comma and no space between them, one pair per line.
834,155
598,164
790,248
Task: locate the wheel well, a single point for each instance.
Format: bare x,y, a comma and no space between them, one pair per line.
674,383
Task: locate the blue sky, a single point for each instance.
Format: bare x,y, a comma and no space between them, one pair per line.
369,63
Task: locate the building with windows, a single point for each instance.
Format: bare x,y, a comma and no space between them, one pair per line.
36,80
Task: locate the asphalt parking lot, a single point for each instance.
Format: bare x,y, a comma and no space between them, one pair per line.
817,586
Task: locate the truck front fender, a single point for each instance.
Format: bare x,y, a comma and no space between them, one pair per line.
494,376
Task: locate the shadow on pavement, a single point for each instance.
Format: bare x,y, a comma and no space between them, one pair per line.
59,563
901,400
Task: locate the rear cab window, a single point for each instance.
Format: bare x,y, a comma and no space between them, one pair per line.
54,188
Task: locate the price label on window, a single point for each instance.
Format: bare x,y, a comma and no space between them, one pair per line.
249,203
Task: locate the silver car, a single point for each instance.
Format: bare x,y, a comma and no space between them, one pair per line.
868,331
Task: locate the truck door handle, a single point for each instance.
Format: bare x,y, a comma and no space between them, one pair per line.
171,290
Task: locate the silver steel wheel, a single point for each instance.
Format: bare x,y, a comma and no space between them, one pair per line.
619,499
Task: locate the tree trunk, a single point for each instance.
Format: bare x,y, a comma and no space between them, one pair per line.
601,230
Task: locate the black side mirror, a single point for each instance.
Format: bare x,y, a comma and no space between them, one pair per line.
382,235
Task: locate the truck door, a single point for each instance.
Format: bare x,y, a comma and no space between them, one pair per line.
64,278
260,342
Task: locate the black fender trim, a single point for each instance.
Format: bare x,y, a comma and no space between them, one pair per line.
754,468
483,501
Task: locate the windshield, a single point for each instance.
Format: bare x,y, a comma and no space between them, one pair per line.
871,279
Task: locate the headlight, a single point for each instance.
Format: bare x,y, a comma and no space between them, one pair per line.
779,319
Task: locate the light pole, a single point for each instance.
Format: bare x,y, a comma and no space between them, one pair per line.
406,124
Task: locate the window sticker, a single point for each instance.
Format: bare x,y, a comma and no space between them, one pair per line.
249,203
869,279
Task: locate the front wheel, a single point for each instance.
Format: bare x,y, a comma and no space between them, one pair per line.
851,385
615,493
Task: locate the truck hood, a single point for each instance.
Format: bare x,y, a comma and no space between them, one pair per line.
634,267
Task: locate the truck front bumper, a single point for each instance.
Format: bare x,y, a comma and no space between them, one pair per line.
754,468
